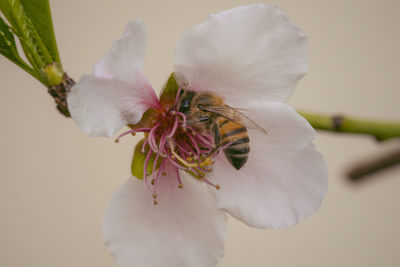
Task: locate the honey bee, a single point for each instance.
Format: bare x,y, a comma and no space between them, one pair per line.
208,112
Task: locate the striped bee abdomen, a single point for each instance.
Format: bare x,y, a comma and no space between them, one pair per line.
234,136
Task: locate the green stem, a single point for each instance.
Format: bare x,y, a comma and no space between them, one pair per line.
381,130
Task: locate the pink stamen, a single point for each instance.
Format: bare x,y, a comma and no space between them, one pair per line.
152,138
178,94
185,148
178,177
161,147
183,118
194,143
146,141
174,128
132,132
209,183
200,137
146,163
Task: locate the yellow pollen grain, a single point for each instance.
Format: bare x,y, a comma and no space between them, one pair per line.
189,159
206,162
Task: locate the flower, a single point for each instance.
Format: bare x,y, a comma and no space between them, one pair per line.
252,57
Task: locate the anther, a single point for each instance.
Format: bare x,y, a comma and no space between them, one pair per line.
155,202
164,173
180,185
189,159
152,181
217,187
155,195
116,140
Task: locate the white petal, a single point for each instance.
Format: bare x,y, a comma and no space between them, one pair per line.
100,107
125,59
285,178
184,229
242,54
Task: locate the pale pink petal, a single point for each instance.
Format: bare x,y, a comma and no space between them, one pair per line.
101,107
284,179
246,53
125,59
184,229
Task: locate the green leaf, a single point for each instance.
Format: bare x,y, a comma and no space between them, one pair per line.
22,26
169,92
40,14
9,49
139,158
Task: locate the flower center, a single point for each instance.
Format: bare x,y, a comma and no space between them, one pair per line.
184,147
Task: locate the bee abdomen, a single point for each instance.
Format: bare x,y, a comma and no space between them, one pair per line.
237,152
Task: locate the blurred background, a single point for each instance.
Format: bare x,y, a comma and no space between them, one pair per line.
55,182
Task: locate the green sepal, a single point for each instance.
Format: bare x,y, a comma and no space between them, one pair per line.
168,94
139,158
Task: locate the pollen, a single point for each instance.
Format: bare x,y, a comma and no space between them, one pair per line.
206,162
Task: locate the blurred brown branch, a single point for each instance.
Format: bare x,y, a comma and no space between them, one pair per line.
374,165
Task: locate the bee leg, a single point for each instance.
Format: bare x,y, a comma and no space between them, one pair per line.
203,119
217,136
217,139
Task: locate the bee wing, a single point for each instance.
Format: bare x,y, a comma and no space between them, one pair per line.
235,115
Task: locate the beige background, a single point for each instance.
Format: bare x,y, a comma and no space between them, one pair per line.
55,182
